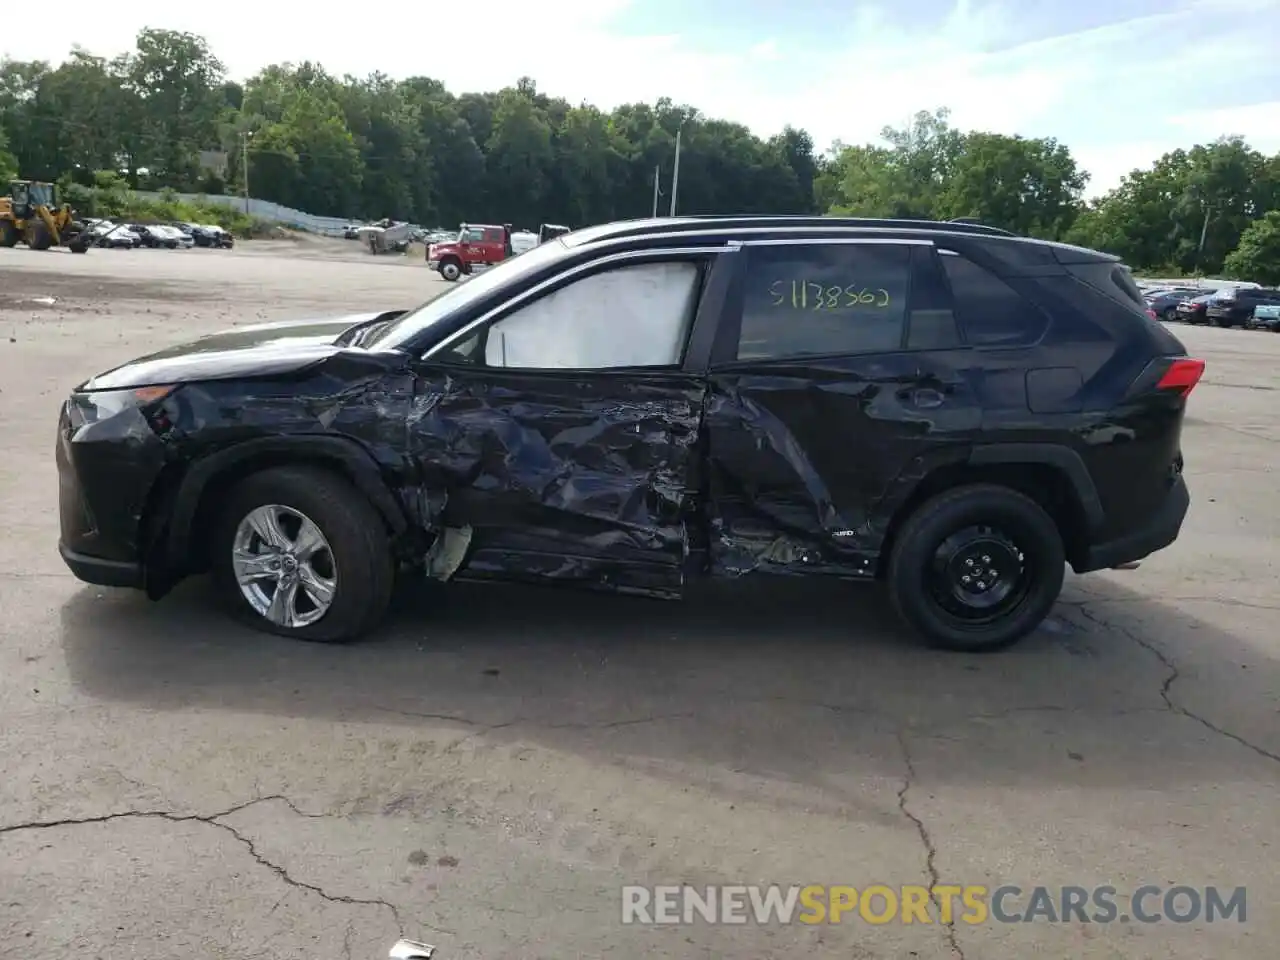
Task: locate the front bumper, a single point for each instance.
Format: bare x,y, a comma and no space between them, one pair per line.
106,473
106,573
1160,531
433,265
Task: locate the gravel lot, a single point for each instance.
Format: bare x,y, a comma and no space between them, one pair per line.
488,772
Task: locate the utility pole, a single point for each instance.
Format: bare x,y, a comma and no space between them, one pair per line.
244,163
675,172
657,191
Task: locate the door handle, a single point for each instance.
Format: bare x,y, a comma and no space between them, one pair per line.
924,396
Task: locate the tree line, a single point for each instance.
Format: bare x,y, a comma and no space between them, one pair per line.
410,149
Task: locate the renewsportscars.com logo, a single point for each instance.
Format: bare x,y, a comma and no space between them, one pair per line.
971,904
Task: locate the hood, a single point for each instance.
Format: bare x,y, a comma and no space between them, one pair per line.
260,350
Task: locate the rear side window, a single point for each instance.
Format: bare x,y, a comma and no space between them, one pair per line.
493,236
1112,280
991,312
824,299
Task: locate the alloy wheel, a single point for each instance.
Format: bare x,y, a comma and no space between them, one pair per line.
284,566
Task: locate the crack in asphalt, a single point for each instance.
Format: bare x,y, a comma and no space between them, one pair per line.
529,721
931,851
216,820
1171,677
1225,601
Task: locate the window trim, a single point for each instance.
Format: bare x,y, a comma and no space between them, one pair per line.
551,284
725,355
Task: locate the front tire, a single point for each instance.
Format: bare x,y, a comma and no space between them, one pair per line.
39,237
299,552
976,568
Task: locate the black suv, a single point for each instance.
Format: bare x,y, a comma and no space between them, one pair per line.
1234,308
949,408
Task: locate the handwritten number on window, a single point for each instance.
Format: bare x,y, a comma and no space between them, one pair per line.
808,295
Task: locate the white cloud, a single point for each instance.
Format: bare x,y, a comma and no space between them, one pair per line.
1119,94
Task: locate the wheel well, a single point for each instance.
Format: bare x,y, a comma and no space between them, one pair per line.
1047,485
219,486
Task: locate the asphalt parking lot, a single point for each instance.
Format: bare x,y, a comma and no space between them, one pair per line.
489,771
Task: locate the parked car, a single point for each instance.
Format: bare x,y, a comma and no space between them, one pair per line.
113,235
1266,316
202,235
153,236
1192,310
351,231
1233,308
218,237
634,405
180,240
1164,301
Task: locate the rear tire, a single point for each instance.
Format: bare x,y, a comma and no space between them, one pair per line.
976,568
356,558
8,234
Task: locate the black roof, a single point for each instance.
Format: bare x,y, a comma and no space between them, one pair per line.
728,223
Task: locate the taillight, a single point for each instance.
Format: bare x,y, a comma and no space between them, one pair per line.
1182,376
1152,314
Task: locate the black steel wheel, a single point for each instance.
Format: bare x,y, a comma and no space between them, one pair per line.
976,568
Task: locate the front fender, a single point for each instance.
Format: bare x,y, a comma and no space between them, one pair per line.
355,462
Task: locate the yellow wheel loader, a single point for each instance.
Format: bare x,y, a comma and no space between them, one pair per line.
30,215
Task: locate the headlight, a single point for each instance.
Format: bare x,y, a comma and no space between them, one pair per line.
96,405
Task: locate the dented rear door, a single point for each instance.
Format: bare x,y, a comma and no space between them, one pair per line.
836,384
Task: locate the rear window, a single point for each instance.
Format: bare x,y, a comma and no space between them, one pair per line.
991,312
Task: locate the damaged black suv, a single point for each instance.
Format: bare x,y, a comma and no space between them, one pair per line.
946,407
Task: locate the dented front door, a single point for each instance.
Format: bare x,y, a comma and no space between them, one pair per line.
561,476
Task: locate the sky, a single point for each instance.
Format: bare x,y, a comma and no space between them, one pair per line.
1119,81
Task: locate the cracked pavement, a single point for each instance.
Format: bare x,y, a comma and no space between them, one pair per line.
488,771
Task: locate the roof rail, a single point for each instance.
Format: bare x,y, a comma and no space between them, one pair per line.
959,225
975,222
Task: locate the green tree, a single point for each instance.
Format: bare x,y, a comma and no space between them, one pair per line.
1031,187
1257,258
8,162
178,82
1186,212
904,179
519,157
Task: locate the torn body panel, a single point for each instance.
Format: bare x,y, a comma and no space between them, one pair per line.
563,477
808,462
158,468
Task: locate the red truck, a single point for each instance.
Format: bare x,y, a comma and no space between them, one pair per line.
478,245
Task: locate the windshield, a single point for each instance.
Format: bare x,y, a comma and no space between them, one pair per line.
406,328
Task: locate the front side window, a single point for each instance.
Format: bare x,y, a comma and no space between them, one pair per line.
824,299
493,235
472,235
632,316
